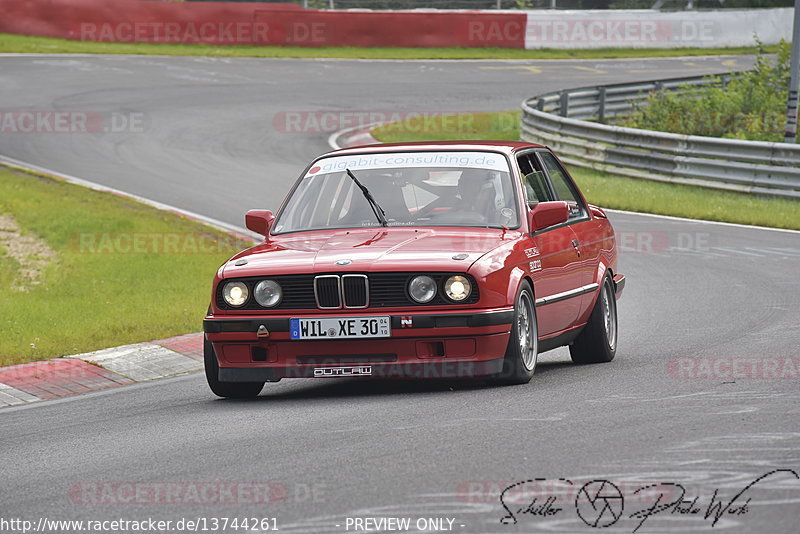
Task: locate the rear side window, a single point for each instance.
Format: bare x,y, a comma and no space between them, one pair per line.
562,185
533,180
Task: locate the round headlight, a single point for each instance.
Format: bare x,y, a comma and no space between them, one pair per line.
457,288
235,293
268,293
422,288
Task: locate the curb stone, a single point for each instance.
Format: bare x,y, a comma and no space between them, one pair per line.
118,366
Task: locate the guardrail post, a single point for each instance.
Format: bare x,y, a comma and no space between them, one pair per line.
601,112
564,103
540,104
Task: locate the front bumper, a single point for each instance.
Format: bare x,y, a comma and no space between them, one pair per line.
422,345
619,285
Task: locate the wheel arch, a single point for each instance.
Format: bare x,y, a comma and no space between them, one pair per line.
516,278
599,276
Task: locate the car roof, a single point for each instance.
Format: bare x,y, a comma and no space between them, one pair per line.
506,147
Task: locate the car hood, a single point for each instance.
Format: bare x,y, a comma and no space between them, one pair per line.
384,249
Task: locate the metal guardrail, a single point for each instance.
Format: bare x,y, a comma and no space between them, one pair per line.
572,123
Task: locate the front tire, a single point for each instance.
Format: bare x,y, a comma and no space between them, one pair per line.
230,390
523,344
597,343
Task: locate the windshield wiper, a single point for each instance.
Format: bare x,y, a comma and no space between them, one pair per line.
376,208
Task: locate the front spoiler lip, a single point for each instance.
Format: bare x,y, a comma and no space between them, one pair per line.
619,285
416,370
216,325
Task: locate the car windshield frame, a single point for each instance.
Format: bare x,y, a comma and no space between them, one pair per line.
506,175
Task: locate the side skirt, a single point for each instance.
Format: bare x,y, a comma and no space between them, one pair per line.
560,340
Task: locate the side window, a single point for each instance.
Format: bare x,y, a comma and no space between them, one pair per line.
563,188
533,180
524,162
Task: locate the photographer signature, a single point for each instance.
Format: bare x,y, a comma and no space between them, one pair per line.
600,503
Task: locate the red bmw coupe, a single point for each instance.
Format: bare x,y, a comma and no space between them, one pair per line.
420,260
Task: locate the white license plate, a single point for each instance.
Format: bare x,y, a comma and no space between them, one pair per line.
339,327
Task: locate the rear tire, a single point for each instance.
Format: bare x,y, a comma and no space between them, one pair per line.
523,344
597,343
230,390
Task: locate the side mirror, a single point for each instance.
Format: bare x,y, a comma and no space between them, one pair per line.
546,214
259,221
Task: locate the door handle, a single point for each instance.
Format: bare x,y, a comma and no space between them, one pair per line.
576,245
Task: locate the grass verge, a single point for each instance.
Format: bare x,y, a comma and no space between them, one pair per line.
23,44
608,190
119,271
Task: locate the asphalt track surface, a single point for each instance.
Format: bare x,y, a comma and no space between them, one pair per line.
696,293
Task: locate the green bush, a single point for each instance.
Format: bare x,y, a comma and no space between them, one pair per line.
750,106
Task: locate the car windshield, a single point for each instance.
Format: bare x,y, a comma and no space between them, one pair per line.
412,188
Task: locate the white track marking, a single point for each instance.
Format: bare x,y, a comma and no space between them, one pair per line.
737,251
